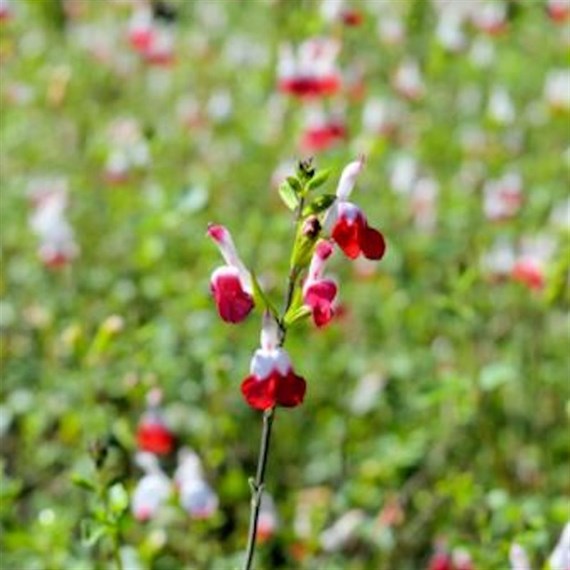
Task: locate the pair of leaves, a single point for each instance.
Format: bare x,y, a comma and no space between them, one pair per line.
292,191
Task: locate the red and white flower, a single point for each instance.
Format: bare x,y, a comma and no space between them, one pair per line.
196,496
231,284
350,229
503,198
153,489
153,434
322,131
272,381
312,71
558,10
268,521
48,221
319,294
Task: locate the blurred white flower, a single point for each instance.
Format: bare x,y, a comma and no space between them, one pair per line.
500,107
408,80
491,17
367,393
268,521
560,556
337,536
449,31
220,106
482,53
560,215
557,89
423,203
196,496
382,116
152,490
403,174
48,221
391,30
518,558
502,198
499,260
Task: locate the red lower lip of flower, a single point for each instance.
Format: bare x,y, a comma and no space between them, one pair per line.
160,59
155,438
310,86
276,390
234,304
56,261
558,14
372,243
529,275
351,18
141,40
323,138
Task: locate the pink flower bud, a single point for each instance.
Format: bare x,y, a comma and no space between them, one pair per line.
318,293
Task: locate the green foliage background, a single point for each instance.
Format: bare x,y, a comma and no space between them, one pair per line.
470,434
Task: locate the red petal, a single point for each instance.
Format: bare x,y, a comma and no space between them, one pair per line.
319,296
345,234
372,243
291,390
260,394
234,304
155,438
319,291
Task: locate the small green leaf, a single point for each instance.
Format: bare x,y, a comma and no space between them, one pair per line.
294,183
261,298
82,482
295,315
288,196
118,498
319,204
318,179
91,533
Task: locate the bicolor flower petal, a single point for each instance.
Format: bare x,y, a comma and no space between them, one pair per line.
230,284
349,225
319,294
272,381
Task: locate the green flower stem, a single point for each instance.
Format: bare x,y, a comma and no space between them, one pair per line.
257,486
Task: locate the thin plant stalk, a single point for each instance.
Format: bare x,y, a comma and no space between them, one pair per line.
257,486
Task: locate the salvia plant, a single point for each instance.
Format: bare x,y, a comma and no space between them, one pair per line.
323,222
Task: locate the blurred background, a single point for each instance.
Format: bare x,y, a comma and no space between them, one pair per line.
435,427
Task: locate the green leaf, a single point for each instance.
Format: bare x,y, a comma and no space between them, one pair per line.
118,498
288,196
261,298
82,482
319,204
294,183
318,179
91,532
295,315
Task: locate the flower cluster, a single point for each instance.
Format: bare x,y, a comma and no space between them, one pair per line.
272,380
155,488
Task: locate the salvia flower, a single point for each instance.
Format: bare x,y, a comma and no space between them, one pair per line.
272,381
196,496
268,520
153,435
350,229
319,294
558,10
152,490
48,221
518,558
231,284
311,71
